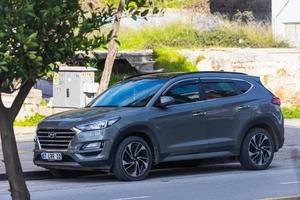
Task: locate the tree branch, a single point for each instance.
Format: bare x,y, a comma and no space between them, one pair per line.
20,98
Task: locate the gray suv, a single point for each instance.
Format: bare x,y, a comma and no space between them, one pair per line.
154,118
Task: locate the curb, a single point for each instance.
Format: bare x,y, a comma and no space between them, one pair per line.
33,175
284,198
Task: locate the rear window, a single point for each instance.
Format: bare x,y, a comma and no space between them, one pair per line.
224,88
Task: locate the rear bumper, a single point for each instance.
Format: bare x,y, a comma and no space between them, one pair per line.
279,130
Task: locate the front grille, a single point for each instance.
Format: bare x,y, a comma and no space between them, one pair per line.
55,138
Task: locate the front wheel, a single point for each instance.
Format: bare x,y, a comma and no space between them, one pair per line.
257,150
133,159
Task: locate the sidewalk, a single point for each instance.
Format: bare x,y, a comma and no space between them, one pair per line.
24,133
292,122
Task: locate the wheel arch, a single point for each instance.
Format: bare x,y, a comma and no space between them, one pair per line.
264,123
140,131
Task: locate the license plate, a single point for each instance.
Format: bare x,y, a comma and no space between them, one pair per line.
51,156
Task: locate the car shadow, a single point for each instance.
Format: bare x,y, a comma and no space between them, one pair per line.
164,172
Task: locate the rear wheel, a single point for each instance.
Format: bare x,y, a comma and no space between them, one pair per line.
257,150
133,159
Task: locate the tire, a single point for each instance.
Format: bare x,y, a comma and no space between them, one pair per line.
133,159
257,150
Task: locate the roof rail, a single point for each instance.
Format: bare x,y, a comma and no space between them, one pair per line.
141,74
176,74
225,72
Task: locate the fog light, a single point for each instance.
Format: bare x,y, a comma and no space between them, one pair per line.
91,146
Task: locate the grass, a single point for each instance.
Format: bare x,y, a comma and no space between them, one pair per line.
115,78
172,61
184,35
289,113
162,4
30,121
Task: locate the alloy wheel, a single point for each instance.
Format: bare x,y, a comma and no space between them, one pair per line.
260,149
135,159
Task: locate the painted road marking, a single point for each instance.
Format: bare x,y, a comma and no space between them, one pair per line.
288,183
130,198
283,198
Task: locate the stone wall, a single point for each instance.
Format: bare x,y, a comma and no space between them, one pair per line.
30,106
279,69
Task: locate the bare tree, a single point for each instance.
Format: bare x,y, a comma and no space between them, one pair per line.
134,12
112,50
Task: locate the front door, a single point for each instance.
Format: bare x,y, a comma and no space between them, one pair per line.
181,127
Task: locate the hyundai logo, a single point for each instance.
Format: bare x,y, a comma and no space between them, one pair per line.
52,135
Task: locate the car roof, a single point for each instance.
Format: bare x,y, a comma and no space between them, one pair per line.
163,75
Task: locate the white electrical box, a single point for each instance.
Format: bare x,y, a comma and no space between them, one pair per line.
69,86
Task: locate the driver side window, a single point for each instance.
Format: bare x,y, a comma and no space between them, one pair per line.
184,93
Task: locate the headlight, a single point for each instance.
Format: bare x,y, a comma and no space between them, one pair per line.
98,125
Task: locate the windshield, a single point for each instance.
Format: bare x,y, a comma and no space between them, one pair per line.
132,93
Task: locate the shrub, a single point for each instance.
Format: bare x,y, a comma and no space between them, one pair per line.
185,35
164,3
171,61
293,112
30,121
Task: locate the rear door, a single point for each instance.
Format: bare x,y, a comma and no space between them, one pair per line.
228,108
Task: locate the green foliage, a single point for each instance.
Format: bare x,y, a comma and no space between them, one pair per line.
184,35
43,103
35,35
172,61
161,3
30,121
115,78
293,112
179,35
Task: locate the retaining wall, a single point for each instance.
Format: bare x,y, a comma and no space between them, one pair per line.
279,69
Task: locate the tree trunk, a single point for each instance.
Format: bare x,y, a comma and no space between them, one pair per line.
12,162
18,188
112,50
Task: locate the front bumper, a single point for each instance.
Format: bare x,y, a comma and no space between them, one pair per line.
76,158
74,161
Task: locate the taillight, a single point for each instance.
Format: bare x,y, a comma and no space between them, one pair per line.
276,101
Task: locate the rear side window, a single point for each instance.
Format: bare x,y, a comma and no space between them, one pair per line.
184,93
242,86
220,88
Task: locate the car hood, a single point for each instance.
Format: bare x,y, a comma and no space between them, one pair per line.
79,116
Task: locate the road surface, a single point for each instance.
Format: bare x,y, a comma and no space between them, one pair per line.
219,181
223,181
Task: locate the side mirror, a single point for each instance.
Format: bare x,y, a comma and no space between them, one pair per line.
165,101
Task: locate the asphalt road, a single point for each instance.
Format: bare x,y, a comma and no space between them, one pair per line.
218,181
223,181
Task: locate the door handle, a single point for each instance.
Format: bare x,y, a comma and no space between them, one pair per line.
243,107
199,114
